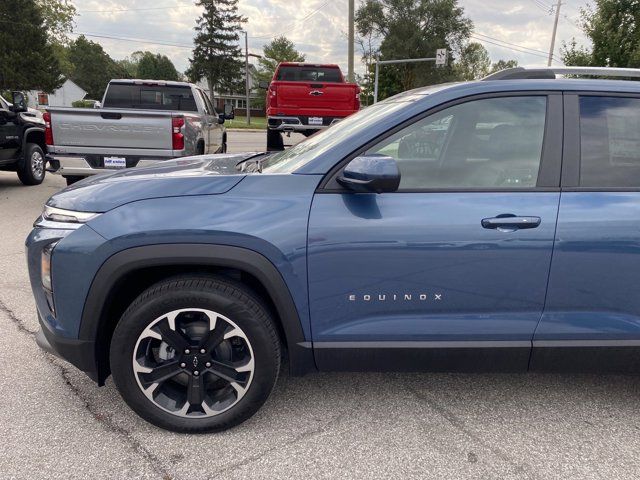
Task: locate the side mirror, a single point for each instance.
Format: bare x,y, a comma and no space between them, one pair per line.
263,84
229,112
371,174
19,102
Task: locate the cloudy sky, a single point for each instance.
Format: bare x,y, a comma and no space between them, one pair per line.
519,29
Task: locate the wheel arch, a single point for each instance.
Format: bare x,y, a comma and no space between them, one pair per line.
33,135
130,271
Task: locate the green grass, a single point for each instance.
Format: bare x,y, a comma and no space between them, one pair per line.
241,122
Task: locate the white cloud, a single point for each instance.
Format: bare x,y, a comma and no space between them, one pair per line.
317,27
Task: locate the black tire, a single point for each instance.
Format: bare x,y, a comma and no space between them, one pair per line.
275,143
32,171
71,179
226,298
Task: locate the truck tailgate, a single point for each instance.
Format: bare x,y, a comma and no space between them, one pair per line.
111,128
319,96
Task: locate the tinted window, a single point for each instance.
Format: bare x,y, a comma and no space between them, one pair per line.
309,74
489,143
609,142
205,105
150,97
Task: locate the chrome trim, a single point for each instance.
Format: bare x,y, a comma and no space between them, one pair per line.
78,166
585,343
60,215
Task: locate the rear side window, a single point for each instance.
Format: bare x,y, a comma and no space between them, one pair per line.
609,142
309,74
150,97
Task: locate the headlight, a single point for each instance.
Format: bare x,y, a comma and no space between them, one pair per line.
45,266
67,216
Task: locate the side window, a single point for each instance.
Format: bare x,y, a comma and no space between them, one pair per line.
205,104
609,142
488,143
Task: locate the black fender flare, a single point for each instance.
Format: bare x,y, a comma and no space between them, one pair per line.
119,265
25,135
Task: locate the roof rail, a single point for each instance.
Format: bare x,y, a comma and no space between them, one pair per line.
520,73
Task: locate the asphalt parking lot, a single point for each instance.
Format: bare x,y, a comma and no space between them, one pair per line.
56,423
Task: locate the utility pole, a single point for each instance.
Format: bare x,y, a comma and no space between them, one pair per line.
352,41
553,35
246,75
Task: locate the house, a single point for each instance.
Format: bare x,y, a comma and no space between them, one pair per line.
64,96
239,99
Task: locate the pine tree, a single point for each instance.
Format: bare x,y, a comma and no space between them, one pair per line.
27,60
216,56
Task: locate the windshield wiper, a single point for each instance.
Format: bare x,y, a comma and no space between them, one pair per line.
253,163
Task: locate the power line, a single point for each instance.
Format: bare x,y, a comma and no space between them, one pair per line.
515,49
135,9
293,25
508,43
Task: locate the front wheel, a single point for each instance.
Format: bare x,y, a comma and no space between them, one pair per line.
32,170
195,354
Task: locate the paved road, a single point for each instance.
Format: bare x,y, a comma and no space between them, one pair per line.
56,423
247,141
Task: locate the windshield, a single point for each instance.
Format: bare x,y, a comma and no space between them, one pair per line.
305,151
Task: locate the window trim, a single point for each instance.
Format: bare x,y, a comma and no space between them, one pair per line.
572,151
550,160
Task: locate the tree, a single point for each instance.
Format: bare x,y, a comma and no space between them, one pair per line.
92,68
27,56
474,62
613,26
157,67
216,55
412,29
280,49
503,65
58,19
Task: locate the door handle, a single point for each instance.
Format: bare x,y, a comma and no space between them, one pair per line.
510,222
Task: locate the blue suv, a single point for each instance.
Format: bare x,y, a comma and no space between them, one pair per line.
482,226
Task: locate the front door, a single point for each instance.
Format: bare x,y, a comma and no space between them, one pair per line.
451,270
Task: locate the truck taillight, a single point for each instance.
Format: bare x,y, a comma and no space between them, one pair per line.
48,133
177,123
273,101
357,103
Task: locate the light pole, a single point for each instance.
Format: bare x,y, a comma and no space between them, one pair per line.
246,76
350,72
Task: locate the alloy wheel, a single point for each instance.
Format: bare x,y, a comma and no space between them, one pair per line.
37,165
193,363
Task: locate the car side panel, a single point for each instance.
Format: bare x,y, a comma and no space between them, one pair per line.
264,213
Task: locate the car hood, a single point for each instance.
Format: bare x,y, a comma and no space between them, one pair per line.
200,175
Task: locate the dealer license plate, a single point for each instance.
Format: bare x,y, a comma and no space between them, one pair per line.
115,162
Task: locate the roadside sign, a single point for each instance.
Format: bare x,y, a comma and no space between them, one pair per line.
441,56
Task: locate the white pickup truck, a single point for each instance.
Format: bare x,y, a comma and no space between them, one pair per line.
138,123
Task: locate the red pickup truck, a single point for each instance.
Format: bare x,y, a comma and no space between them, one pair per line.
305,98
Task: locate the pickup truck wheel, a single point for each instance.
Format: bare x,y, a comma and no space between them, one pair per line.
72,179
195,354
32,171
274,141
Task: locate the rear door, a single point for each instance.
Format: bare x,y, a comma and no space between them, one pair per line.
592,313
451,270
213,126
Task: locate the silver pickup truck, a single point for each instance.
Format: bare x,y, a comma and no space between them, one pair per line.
139,122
